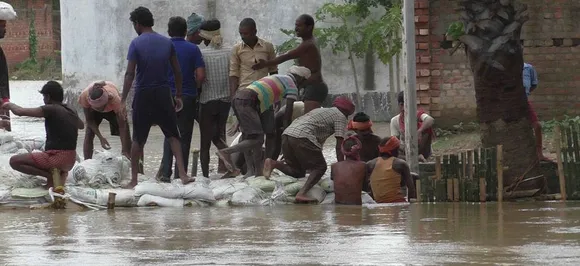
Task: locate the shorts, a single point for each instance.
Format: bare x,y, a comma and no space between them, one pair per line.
302,154
64,160
154,106
247,109
532,114
109,116
315,92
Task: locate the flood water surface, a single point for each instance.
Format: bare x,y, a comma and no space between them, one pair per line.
533,233
512,233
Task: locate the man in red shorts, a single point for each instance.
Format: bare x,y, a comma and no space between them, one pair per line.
62,125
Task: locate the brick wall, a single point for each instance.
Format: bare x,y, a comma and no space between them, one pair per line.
551,39
16,42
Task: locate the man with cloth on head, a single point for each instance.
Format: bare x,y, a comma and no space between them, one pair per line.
101,100
214,96
388,173
349,176
6,13
362,125
302,144
253,106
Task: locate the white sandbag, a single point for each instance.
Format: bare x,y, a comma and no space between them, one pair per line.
327,184
316,192
278,196
247,196
226,191
5,193
150,200
14,179
105,170
176,190
124,197
284,179
31,144
261,183
292,189
223,182
367,199
222,203
22,151
6,137
9,147
329,199
7,11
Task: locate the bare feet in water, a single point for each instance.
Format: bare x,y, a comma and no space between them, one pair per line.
303,199
269,165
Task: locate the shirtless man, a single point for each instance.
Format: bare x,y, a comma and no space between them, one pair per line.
349,176
361,124
387,173
62,126
308,55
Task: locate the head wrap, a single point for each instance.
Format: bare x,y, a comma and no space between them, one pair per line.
210,30
354,149
194,22
359,125
390,146
344,104
102,100
7,11
300,71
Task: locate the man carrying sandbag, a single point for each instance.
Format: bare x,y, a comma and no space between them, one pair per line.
101,100
6,13
62,126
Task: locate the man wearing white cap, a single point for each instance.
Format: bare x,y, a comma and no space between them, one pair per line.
253,108
101,100
6,13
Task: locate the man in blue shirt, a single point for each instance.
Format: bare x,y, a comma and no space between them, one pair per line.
193,71
151,55
530,79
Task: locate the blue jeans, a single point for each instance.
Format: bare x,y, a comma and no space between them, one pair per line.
185,121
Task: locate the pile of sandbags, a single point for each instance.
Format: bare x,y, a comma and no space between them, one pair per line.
105,170
174,194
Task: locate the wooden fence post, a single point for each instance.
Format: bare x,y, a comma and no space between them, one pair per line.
499,173
561,177
418,189
438,167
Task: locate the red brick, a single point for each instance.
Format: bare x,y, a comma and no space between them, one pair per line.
423,46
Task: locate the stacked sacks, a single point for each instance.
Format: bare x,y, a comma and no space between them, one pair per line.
175,194
105,169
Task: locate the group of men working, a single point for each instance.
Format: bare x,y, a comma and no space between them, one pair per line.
176,82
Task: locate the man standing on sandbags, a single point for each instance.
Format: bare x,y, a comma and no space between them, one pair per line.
6,13
214,97
62,126
253,106
302,144
150,56
101,100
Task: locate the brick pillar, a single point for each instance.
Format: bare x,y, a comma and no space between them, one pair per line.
423,53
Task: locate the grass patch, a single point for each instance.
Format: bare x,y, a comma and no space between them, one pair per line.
48,68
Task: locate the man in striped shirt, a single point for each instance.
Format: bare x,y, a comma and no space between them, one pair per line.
253,108
302,144
214,98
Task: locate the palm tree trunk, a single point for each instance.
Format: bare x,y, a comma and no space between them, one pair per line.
495,54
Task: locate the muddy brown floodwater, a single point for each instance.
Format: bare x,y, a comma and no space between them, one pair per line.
527,233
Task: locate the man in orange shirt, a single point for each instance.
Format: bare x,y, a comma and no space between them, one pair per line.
101,100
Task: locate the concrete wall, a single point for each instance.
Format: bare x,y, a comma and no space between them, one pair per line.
96,35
